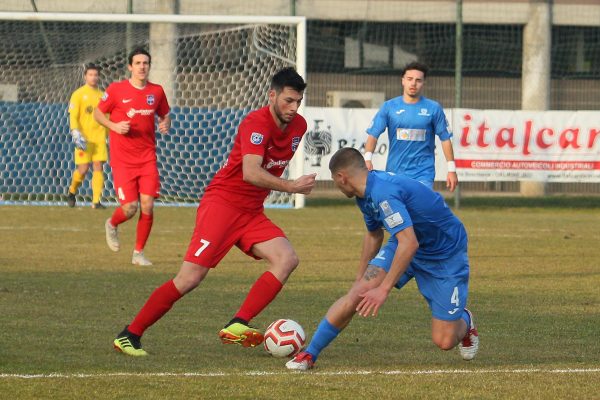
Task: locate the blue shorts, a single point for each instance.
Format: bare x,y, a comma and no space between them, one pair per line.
443,283
427,183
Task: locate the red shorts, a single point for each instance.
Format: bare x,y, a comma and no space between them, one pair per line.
130,182
219,227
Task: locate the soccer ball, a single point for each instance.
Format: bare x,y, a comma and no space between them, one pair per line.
284,338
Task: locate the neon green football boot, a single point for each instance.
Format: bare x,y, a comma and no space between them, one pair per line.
128,343
242,334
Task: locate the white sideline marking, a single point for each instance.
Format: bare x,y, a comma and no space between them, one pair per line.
324,373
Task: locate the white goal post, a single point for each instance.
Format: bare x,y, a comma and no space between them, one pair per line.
215,69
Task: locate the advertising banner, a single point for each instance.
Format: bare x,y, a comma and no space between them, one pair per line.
489,145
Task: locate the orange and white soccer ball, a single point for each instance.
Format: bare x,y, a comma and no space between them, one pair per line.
284,338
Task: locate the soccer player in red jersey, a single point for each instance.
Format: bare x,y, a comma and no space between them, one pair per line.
133,104
231,213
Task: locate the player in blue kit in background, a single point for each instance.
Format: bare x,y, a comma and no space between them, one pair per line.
427,242
412,121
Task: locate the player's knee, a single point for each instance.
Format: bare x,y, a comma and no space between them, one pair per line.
286,261
130,209
83,169
291,261
147,207
356,290
185,283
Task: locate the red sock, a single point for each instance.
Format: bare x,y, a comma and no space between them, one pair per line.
157,305
118,217
261,294
144,226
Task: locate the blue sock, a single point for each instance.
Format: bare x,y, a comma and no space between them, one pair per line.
323,336
465,316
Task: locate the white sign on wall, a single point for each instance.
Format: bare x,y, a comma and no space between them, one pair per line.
498,145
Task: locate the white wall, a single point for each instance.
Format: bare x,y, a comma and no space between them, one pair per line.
565,12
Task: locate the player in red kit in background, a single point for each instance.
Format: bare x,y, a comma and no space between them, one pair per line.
231,213
132,104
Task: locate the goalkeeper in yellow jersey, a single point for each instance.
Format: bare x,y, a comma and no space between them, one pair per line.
88,136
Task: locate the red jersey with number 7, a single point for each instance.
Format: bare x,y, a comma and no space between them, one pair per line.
126,102
257,134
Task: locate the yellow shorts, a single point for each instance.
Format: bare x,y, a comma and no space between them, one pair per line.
94,152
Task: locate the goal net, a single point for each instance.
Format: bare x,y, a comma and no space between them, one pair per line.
215,70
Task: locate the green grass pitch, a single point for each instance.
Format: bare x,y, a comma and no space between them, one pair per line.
534,291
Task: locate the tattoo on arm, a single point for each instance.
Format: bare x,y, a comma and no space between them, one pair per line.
371,272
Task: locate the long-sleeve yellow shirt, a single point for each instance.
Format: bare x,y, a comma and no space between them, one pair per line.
81,114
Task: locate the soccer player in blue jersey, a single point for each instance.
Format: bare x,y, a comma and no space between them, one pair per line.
412,121
427,242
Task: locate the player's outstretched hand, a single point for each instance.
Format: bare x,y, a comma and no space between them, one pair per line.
121,127
451,181
164,125
369,165
304,184
371,301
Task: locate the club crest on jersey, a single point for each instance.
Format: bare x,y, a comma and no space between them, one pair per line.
256,138
295,143
386,208
424,112
150,99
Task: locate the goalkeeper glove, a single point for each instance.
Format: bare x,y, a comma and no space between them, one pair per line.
78,139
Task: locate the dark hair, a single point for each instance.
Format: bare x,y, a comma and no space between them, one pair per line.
87,67
415,65
287,77
346,157
139,50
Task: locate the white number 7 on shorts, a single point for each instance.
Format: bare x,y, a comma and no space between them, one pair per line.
205,244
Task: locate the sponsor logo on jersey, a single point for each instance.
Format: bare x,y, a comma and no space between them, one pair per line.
104,96
394,220
317,143
277,164
132,112
413,135
125,101
380,255
85,96
400,112
424,112
71,106
453,311
295,143
150,99
256,138
386,208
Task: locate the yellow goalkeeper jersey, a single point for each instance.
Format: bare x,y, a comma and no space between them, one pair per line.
81,114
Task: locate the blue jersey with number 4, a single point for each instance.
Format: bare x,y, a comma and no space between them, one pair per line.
396,202
411,131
